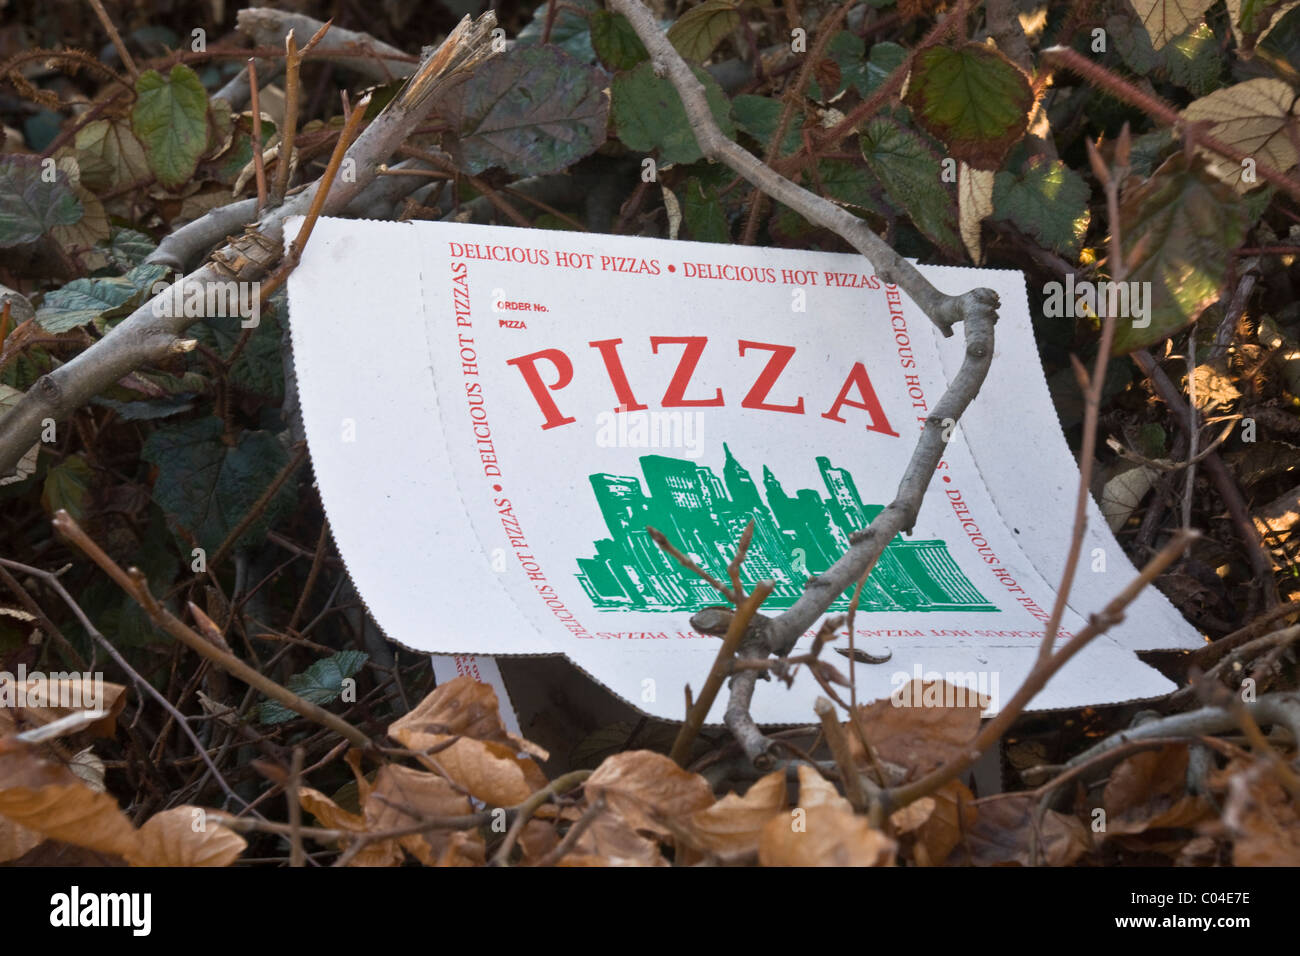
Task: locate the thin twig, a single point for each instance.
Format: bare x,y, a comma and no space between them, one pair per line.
123,53
259,164
721,668
133,584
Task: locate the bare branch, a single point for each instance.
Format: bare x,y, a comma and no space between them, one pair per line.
145,336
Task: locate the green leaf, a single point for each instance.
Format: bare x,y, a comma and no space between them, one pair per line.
109,156
843,181
260,366
885,58
533,111
848,52
1280,47
1047,201
759,115
145,410
649,115
973,99
1133,43
1187,223
86,300
699,30
702,212
127,248
616,43
34,198
208,487
570,30
910,173
170,117
1193,60
67,486
321,683
97,300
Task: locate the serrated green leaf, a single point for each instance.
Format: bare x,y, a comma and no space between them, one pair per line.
260,366
649,115
208,487
109,156
699,30
35,197
82,301
1132,43
972,99
1193,60
127,248
615,42
911,175
569,31
170,120
533,111
1047,201
759,115
321,683
848,183
1188,223
885,58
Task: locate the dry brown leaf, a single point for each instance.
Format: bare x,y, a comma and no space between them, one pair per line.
816,791
611,841
640,784
1148,791
55,699
333,817
537,839
974,204
464,707
913,815
485,759
733,824
490,771
954,813
403,796
823,836
169,838
924,734
1260,816
1003,832
49,799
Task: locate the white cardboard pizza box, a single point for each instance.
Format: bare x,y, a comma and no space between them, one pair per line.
495,415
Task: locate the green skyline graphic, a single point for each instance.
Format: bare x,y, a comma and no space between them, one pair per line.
794,537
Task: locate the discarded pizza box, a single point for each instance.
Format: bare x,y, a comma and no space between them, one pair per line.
495,416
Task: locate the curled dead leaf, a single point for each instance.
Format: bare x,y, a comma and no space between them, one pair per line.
823,836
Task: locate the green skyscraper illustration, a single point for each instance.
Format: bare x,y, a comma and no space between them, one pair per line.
794,537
